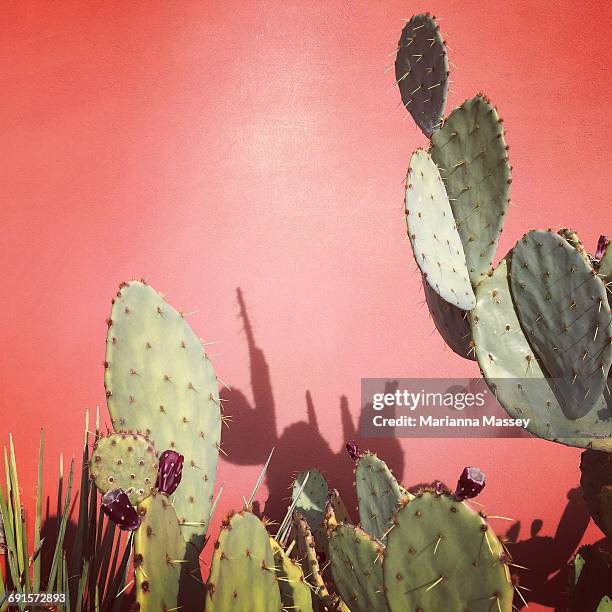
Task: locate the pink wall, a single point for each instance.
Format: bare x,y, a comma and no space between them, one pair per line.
261,145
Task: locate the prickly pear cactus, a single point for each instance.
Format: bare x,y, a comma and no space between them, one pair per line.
472,156
562,307
356,566
378,494
442,555
421,71
596,483
242,574
338,507
516,375
160,383
433,233
311,502
159,550
294,591
452,323
124,461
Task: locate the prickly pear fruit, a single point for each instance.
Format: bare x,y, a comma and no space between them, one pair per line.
562,307
596,483
442,555
117,507
356,566
602,246
353,450
472,156
516,375
433,233
242,574
124,461
378,494
170,471
421,71
470,484
160,382
294,591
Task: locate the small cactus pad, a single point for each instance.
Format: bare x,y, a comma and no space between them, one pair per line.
573,240
592,580
452,323
433,234
338,506
356,566
294,591
472,156
514,372
442,555
378,494
562,307
307,555
311,502
159,550
242,574
159,382
605,264
421,72
596,483
605,605
124,461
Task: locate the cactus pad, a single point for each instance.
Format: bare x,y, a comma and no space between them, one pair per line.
515,373
596,483
312,500
242,574
442,555
294,591
158,553
562,307
124,461
433,234
472,156
452,323
338,507
356,565
421,71
378,494
159,382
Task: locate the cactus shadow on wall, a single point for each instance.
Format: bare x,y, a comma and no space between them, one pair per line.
252,434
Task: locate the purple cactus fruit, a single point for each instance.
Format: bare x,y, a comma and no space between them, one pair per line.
116,505
170,471
470,483
602,245
353,450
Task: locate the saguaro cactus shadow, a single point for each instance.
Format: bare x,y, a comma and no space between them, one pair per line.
301,445
546,558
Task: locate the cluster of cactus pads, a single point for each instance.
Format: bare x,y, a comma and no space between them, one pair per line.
538,323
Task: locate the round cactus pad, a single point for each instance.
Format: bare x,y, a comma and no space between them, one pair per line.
421,71
433,234
442,555
562,307
515,374
159,382
472,156
356,565
124,461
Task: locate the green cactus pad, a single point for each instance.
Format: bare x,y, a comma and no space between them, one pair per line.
562,307
503,352
472,156
433,233
605,265
307,556
242,574
596,483
591,586
338,507
294,591
159,550
442,555
356,566
605,605
378,495
124,461
452,323
421,71
159,382
311,502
